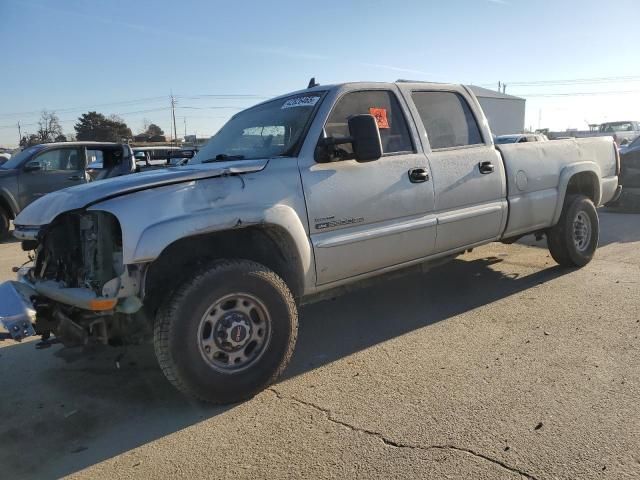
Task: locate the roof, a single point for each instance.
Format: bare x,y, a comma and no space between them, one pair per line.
486,93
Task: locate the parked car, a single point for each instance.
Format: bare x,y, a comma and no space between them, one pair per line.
520,138
623,132
630,178
292,199
153,156
4,157
45,168
181,157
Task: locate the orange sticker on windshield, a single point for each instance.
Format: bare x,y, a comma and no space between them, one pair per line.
381,116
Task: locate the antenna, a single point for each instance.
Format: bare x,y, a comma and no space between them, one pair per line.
312,83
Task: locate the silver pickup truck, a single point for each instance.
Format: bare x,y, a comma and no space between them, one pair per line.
292,198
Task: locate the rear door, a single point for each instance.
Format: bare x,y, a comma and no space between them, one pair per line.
468,172
367,216
59,168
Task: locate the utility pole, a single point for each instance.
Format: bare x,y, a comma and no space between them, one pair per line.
185,125
499,86
504,88
173,115
19,133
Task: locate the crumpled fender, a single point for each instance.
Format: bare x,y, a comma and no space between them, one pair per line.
153,219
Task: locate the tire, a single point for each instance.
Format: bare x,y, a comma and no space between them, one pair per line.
195,325
4,224
574,239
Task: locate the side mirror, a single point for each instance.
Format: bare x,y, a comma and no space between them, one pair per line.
365,138
32,166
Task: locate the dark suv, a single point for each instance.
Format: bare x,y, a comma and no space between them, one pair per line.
44,168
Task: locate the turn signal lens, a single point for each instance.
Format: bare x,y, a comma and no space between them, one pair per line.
102,303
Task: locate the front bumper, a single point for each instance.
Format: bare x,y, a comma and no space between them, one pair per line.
17,314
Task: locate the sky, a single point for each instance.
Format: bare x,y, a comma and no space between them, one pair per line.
576,62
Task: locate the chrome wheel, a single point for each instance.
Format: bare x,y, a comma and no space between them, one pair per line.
234,332
582,231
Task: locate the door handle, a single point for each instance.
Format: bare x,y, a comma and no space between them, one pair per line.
418,175
486,167
74,177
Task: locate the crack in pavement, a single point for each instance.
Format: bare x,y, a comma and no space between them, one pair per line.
391,443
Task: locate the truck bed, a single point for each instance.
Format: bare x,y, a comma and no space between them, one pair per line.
533,192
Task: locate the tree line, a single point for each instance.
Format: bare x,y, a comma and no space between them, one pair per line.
91,126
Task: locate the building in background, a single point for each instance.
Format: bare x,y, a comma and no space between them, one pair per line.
505,113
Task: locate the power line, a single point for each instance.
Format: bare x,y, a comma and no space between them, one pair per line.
573,81
579,94
124,114
88,107
135,102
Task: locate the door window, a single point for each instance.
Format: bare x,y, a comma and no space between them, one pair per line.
383,105
60,159
447,118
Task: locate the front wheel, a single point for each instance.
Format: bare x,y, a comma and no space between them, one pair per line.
574,239
227,333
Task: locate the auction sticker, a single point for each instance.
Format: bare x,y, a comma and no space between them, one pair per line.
381,116
300,102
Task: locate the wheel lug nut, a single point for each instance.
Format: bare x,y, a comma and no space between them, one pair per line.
207,349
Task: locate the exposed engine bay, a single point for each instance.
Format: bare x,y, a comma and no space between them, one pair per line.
85,293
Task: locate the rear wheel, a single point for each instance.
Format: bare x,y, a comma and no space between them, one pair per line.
227,333
574,239
4,224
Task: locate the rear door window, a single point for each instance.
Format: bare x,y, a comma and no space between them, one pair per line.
383,105
448,119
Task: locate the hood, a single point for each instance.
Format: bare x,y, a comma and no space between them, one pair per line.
45,209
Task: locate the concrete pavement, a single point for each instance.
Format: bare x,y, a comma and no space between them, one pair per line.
497,365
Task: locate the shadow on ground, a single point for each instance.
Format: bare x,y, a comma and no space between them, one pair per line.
9,239
614,228
64,412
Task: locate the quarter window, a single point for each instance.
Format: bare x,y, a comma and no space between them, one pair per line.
383,105
447,118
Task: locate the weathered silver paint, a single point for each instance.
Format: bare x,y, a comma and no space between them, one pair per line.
154,218
45,209
384,222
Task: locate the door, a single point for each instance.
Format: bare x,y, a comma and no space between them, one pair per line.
468,172
54,170
367,216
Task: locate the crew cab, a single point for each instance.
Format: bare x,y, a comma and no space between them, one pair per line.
44,168
293,198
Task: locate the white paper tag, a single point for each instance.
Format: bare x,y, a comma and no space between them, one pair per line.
300,102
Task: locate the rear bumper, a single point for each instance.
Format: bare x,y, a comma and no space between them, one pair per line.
17,314
616,195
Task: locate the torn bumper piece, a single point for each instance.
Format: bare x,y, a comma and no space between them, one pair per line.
17,314
76,297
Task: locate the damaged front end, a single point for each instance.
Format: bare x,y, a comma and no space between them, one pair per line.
77,285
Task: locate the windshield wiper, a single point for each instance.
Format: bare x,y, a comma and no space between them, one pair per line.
222,157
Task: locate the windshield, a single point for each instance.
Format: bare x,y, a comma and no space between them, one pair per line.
17,159
500,140
271,129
